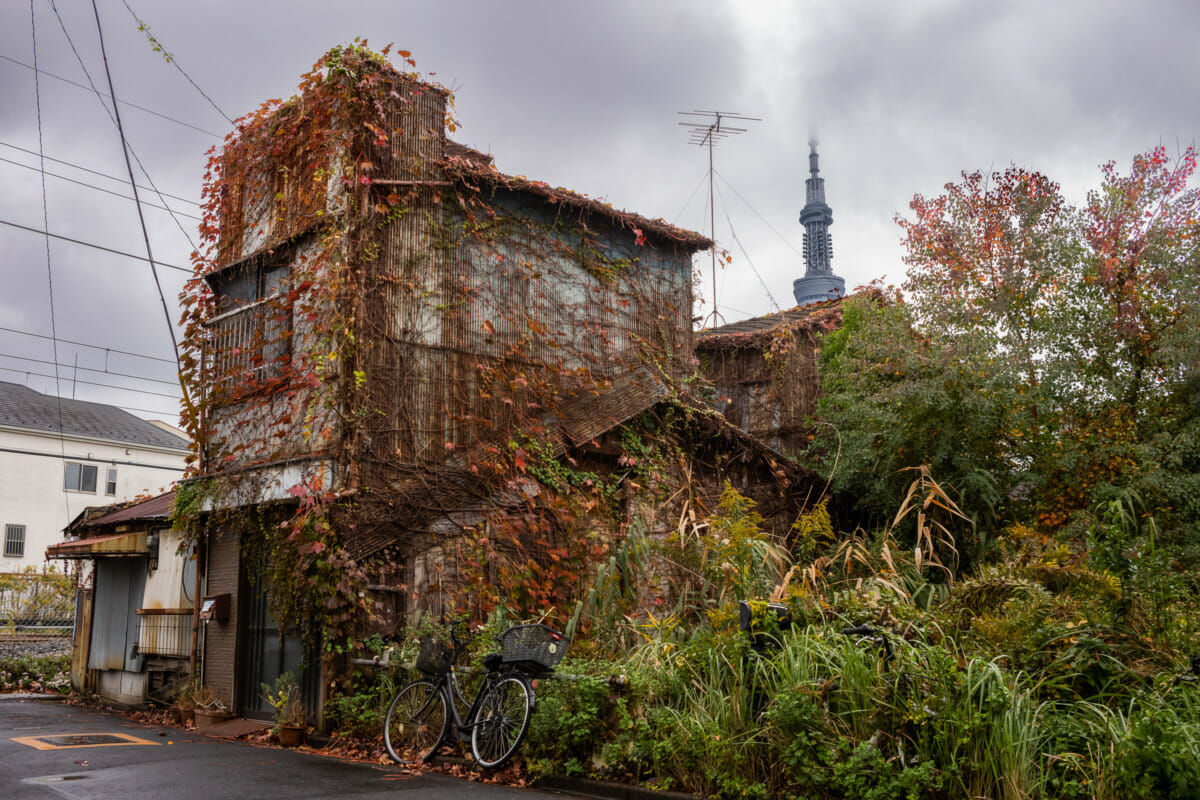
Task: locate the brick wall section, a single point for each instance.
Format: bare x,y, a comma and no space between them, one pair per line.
220,641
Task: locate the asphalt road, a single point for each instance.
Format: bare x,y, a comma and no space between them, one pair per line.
49,750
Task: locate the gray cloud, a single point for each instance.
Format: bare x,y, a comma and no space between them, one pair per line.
903,96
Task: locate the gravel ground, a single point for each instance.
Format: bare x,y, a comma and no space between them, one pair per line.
13,646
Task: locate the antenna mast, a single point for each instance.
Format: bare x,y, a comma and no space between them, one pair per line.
706,134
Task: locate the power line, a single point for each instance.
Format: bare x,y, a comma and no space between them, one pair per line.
122,102
85,344
92,383
126,149
101,174
760,216
93,186
187,400
157,46
754,269
688,202
87,369
156,411
94,246
37,93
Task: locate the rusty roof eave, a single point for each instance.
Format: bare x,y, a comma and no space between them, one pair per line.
465,169
153,509
114,545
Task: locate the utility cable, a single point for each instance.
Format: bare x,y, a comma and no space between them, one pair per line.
760,216
82,168
90,244
125,146
187,400
87,369
93,186
738,242
93,383
688,202
158,48
123,102
157,411
93,346
37,95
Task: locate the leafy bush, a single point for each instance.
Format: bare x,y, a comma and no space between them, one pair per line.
36,674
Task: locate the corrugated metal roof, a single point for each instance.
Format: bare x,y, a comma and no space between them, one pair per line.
22,407
156,508
768,321
117,544
465,163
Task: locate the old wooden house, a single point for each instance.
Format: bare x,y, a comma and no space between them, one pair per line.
765,372
385,325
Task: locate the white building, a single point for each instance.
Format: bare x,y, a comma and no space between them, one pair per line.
60,456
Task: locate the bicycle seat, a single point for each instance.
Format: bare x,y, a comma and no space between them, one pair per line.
492,660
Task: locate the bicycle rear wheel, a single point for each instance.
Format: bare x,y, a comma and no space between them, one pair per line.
416,723
502,722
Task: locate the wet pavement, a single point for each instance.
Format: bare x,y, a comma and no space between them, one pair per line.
49,749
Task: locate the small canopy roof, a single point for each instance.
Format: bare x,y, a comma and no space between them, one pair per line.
117,544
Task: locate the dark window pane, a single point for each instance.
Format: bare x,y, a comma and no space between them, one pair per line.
273,277
71,481
236,288
87,478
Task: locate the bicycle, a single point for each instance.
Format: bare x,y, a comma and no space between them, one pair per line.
423,714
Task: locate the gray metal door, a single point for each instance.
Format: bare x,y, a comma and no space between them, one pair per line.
119,586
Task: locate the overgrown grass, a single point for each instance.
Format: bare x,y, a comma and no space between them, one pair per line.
1043,675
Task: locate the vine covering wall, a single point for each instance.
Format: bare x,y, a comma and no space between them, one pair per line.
386,334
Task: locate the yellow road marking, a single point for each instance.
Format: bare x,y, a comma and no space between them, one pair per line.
71,741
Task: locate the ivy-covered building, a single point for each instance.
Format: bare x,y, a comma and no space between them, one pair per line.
389,339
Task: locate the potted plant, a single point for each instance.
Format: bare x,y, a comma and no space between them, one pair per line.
185,702
290,715
208,709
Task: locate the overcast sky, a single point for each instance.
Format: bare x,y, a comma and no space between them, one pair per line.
903,97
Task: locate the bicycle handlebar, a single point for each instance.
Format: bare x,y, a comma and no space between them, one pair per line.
876,637
452,624
860,630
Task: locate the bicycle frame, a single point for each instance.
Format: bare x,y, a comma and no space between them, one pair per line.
463,724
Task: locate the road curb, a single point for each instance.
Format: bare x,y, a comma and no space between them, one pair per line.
32,696
609,790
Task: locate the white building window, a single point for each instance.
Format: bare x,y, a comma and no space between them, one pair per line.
80,478
110,482
14,541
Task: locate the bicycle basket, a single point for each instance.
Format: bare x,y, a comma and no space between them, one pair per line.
434,658
535,646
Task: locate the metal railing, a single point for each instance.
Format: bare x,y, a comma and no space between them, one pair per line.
248,344
165,632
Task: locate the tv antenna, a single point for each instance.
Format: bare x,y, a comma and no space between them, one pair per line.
704,133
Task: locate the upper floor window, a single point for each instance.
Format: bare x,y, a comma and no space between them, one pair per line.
258,278
80,477
110,482
14,541
251,334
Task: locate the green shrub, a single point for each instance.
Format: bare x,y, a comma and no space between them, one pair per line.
36,674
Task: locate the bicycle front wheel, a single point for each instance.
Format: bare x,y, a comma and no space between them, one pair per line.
502,722
416,723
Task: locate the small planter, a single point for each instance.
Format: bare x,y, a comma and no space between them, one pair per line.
185,716
291,735
208,718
